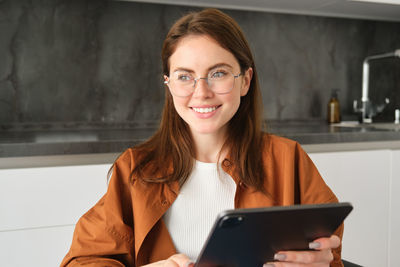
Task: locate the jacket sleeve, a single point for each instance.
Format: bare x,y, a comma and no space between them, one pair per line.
104,235
313,189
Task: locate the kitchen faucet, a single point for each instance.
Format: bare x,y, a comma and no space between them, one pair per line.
368,109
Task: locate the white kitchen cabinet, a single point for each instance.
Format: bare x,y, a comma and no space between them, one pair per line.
45,246
364,179
39,208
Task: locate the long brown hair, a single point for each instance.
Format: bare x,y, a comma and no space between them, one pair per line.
173,139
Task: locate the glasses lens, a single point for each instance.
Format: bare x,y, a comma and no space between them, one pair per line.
181,83
221,81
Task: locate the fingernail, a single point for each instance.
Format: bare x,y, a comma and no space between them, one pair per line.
314,245
268,265
189,264
279,257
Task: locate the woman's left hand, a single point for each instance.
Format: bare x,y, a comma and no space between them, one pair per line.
320,257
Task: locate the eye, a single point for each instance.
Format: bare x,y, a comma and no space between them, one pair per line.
183,77
218,74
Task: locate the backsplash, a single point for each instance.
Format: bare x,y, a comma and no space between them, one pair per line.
99,61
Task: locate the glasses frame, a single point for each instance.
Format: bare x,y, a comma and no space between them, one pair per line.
206,79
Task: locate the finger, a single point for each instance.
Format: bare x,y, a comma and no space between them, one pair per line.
325,243
178,260
307,257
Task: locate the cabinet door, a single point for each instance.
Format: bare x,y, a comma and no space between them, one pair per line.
362,178
394,234
39,207
45,246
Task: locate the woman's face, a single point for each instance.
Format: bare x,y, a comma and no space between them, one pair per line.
204,111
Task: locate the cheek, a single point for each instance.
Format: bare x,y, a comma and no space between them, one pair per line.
234,103
234,99
179,101
179,104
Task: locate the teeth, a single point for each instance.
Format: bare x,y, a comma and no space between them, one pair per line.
204,110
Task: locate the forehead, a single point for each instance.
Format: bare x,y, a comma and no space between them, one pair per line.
199,52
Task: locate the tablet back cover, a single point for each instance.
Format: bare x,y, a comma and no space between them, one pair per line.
251,237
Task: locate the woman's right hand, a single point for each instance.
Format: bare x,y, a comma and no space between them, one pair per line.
177,260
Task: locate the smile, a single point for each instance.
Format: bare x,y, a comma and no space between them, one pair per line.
205,110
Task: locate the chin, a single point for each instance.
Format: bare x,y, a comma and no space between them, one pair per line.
206,129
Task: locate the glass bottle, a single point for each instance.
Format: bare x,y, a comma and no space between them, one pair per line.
334,108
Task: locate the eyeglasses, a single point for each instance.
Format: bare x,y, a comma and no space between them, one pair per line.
220,81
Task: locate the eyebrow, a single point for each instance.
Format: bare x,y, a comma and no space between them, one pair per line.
218,65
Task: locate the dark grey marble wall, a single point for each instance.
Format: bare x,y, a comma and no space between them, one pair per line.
99,61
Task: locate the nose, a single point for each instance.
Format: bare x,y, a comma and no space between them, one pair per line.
202,89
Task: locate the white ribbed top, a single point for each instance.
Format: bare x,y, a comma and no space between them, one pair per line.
201,198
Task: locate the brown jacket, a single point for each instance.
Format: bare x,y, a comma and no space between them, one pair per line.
125,228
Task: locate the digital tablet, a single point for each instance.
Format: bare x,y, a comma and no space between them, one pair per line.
251,237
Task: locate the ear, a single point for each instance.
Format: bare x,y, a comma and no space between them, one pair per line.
166,79
247,76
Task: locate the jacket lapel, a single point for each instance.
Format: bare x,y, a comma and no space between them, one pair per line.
152,200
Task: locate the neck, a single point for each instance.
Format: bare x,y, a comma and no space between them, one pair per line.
208,147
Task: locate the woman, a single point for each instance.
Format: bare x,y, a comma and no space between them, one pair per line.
208,155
